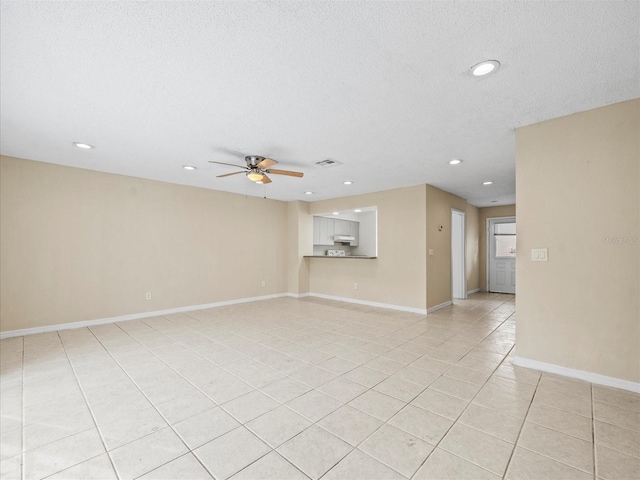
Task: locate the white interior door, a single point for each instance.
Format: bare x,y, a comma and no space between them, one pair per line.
458,274
502,254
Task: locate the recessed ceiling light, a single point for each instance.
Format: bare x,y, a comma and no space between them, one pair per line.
86,146
488,182
336,213
348,182
455,161
189,167
308,193
484,68
357,210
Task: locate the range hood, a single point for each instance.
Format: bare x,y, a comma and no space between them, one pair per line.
343,238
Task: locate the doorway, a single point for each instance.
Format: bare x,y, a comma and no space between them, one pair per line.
458,274
501,262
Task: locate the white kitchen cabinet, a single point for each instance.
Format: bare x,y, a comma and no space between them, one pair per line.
354,232
326,231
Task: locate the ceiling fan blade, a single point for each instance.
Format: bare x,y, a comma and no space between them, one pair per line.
228,174
229,164
265,179
266,163
286,172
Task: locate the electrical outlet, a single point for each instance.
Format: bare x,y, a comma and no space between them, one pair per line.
147,296
264,283
355,286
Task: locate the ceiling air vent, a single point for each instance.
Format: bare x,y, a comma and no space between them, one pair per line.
328,163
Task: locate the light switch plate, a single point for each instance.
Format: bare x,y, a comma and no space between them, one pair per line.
539,255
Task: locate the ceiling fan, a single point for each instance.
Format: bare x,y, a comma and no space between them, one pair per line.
257,169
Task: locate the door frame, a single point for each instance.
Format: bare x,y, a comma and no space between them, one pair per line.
455,211
488,244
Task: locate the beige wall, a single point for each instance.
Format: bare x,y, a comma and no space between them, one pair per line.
438,213
485,213
473,232
80,245
578,181
299,243
397,276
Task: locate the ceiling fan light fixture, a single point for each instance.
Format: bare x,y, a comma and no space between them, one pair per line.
485,68
255,176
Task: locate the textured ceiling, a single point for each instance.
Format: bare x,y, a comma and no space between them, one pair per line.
381,87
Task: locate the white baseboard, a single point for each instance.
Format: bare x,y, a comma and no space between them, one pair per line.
134,316
298,295
156,313
438,307
471,292
579,374
370,304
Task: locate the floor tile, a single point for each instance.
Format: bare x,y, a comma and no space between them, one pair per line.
479,448
314,405
527,465
62,454
399,388
442,465
285,389
365,376
11,468
614,465
565,422
327,451
616,416
342,389
502,401
558,446
579,404
492,422
98,467
147,453
441,404
360,466
423,424
131,427
206,426
397,449
377,405
416,375
616,397
337,365
184,467
455,388
270,467
231,452
350,424
184,406
617,438
312,376
278,426
570,386
250,406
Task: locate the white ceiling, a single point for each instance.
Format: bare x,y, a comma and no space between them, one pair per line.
382,87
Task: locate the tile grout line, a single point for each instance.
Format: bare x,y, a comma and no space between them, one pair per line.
464,410
524,421
386,422
93,418
189,450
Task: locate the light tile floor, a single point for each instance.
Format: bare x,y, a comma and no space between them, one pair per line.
305,388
